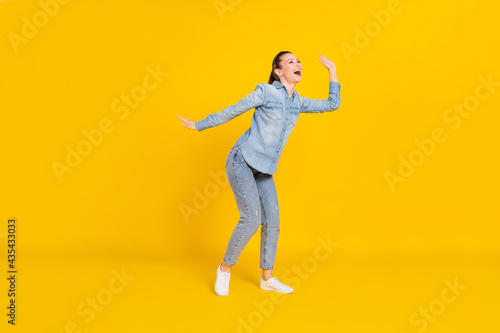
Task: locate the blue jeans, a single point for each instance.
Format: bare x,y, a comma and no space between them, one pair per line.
257,203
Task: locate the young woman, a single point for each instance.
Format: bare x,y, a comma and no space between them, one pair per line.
254,158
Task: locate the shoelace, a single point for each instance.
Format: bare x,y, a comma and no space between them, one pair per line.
276,279
281,283
224,277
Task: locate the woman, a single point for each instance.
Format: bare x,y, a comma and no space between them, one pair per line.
253,160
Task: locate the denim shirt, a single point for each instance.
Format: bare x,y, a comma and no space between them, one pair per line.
274,118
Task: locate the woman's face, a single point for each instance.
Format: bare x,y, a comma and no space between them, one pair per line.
291,69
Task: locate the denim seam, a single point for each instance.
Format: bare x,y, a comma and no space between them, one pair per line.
244,198
266,244
264,252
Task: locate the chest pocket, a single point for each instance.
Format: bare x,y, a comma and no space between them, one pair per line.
294,110
274,109
293,115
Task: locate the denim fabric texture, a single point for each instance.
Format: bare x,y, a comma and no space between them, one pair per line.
253,160
257,202
274,118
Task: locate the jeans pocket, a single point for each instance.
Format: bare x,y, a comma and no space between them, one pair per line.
238,156
232,156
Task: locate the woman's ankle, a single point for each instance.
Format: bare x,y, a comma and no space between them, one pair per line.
267,274
225,268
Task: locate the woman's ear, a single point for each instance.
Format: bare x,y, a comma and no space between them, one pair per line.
278,72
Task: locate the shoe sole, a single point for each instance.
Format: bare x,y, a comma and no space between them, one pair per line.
272,289
221,294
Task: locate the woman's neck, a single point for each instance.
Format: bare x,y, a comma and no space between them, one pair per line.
290,87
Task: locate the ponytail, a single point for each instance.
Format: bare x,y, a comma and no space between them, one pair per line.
276,64
272,78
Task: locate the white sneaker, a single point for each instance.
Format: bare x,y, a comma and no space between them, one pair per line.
275,285
222,282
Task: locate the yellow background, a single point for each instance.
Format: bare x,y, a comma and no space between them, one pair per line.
121,207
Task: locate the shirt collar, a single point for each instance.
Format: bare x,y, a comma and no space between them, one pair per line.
278,85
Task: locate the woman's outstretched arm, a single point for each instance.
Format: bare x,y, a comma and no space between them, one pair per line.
251,101
333,101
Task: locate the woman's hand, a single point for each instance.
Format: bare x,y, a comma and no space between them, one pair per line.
188,123
330,66
327,62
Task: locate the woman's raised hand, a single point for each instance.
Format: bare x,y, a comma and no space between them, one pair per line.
331,67
327,62
188,123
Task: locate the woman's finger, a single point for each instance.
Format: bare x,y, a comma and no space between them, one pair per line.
184,119
325,59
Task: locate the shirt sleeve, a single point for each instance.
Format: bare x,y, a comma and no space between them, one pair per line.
322,105
251,101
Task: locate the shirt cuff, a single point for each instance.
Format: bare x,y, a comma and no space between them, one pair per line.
201,125
334,85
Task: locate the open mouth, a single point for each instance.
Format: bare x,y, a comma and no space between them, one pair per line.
298,72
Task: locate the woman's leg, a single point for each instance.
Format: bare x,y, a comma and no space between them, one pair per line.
242,181
270,222
269,233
